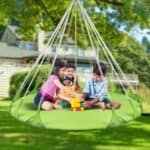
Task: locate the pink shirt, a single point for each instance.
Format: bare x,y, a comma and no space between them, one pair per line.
49,88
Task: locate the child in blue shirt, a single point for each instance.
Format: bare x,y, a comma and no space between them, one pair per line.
96,89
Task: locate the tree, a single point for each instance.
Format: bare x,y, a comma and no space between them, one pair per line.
28,13
146,43
47,13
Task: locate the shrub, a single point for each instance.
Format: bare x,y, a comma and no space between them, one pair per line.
15,82
18,78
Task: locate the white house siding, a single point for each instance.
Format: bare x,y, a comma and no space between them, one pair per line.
6,71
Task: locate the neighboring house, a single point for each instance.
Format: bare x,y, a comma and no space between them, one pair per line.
65,51
11,37
17,55
13,60
10,54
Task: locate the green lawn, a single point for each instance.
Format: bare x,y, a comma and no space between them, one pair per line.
15,135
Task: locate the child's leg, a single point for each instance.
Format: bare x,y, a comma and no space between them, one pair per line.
108,105
92,103
87,105
89,102
107,102
100,105
57,102
57,106
46,105
37,99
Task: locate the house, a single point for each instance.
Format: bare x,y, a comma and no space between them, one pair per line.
17,55
11,37
65,51
12,60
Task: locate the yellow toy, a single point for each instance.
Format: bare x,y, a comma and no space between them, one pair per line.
75,101
76,105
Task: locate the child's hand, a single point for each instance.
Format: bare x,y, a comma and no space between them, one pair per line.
82,97
87,104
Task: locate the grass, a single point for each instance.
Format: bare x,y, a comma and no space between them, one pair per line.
15,135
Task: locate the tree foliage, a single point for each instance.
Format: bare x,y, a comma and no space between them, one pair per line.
27,14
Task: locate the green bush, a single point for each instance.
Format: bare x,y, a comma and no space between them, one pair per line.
18,78
15,82
114,87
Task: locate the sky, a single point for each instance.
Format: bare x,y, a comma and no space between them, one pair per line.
137,32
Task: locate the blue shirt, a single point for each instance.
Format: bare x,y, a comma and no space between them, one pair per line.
96,89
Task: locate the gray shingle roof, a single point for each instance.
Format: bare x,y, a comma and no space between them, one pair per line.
13,29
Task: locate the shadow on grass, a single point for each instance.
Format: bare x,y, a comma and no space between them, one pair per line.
15,135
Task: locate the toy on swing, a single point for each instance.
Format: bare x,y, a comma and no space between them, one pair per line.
76,104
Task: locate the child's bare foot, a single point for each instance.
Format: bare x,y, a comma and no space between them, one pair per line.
47,106
58,107
116,105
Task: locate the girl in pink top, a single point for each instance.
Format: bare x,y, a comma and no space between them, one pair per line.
48,90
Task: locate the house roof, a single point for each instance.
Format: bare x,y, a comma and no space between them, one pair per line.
13,52
13,29
9,51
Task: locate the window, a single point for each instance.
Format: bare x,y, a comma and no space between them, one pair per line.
66,48
30,46
53,48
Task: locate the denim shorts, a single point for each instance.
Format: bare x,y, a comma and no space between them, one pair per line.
106,100
38,98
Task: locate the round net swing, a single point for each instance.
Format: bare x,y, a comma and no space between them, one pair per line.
76,26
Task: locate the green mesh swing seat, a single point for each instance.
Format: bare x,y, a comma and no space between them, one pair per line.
72,120
76,24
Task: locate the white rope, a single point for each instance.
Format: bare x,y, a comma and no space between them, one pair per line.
60,34
89,25
91,35
106,55
56,54
94,29
84,33
124,88
43,53
69,25
108,59
92,44
60,40
76,48
106,48
57,48
120,83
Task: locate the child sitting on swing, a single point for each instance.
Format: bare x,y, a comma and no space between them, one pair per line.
70,82
46,95
96,89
